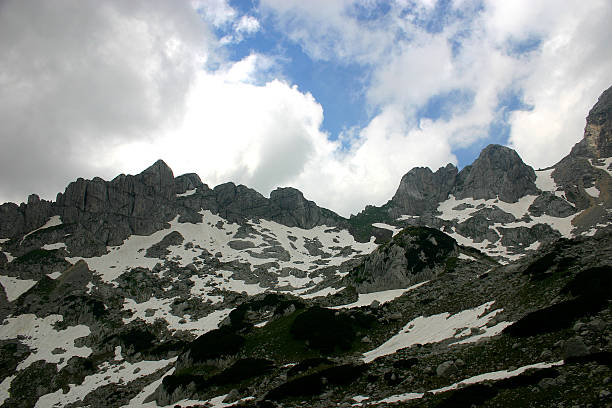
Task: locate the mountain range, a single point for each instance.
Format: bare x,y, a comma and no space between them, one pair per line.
485,286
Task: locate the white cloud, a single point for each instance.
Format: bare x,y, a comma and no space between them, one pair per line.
112,88
563,80
248,25
79,77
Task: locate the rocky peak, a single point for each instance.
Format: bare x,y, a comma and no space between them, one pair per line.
420,188
597,140
159,176
189,181
291,208
498,172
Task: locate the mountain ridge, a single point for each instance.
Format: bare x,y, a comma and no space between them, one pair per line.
485,286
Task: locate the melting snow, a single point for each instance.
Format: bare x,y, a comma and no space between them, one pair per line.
42,338
447,208
323,292
54,275
15,287
162,310
436,328
116,373
214,234
4,388
222,280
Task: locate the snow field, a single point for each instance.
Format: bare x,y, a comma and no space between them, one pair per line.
214,234
116,373
42,338
162,310
443,326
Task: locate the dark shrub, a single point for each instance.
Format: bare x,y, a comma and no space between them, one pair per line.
215,344
314,384
592,282
474,394
555,317
141,340
406,364
243,370
323,329
306,365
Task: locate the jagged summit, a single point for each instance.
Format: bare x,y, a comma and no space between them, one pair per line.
497,172
154,290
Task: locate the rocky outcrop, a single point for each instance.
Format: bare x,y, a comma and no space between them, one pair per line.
597,141
421,189
17,220
414,255
289,207
498,172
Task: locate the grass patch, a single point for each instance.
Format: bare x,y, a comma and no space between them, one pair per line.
37,256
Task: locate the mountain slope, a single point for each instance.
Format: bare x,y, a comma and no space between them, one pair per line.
154,290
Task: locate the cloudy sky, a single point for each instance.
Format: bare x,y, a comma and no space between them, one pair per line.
338,98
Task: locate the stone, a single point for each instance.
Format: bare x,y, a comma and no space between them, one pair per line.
446,369
574,347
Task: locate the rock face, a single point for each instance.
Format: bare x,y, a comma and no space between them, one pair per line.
16,220
289,207
105,213
597,141
279,313
414,255
498,172
421,188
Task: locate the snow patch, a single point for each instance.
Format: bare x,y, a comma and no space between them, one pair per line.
544,180
323,292
391,228
51,247
606,166
187,193
436,328
222,280
53,221
4,388
54,275
15,287
592,191
366,299
466,257
450,212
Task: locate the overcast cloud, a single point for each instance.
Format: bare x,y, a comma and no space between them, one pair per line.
92,88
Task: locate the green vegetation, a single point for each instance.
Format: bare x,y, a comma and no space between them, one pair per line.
360,225
37,256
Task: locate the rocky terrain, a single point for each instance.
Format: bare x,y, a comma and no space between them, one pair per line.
488,286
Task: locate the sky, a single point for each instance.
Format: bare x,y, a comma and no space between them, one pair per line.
338,98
